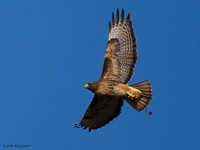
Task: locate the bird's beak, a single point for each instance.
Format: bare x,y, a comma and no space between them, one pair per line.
86,86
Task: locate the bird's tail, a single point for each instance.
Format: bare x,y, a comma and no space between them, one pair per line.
142,102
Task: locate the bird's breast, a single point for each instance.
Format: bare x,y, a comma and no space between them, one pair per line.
106,88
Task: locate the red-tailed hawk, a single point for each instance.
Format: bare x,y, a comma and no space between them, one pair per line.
110,90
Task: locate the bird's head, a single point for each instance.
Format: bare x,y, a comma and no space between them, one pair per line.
92,86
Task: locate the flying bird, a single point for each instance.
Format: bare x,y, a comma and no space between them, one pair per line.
112,88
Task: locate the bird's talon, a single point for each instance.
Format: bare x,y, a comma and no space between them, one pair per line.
131,95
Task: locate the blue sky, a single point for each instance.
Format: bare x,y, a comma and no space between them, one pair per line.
50,48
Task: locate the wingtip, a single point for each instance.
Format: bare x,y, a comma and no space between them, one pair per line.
128,17
122,16
117,17
113,19
117,10
109,28
77,125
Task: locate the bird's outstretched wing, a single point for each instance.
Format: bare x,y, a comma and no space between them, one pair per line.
121,55
101,111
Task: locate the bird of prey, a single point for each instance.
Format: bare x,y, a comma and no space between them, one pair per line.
112,88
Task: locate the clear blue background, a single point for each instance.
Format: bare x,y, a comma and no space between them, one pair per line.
50,48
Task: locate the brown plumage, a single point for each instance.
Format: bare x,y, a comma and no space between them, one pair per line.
110,90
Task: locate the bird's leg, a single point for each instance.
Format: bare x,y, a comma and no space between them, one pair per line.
131,95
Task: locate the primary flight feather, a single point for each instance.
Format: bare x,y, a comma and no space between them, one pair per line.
110,90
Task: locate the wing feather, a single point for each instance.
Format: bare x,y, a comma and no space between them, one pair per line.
121,17
109,26
120,50
117,17
101,111
113,19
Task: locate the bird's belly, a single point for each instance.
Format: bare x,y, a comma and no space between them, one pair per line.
112,90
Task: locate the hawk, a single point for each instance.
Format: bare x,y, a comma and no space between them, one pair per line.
112,88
